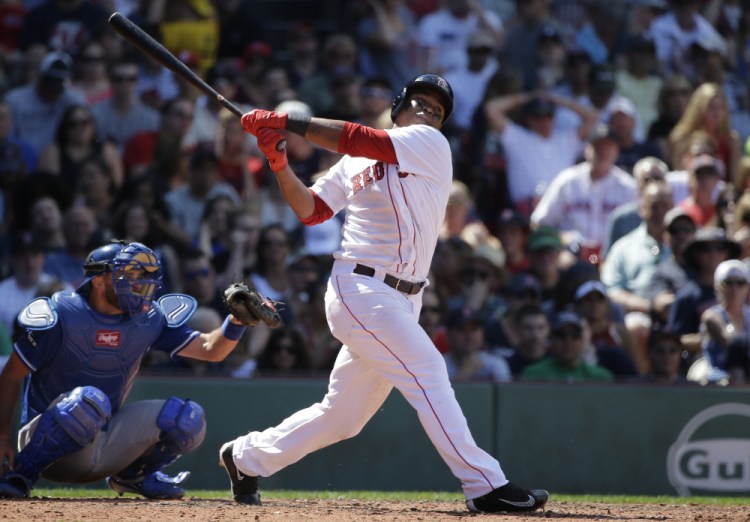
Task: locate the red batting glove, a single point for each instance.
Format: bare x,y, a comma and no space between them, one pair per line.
257,119
268,140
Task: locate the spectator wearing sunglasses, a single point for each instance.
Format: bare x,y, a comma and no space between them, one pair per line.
708,248
664,355
199,280
569,347
729,317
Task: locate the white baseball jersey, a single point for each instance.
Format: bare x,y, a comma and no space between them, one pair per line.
393,215
573,201
393,212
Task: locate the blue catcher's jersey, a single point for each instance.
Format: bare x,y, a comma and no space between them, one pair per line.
86,348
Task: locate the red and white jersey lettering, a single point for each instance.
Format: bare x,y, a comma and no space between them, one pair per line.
404,203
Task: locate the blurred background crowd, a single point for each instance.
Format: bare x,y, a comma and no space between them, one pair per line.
599,222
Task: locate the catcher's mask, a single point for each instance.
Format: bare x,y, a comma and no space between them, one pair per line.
136,275
425,82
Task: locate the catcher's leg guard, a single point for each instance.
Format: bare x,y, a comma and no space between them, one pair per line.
183,426
65,428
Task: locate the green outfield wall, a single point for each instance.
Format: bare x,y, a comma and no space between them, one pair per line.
599,439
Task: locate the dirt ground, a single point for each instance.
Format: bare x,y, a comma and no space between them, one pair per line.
132,509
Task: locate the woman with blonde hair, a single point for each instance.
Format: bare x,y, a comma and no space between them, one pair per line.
707,111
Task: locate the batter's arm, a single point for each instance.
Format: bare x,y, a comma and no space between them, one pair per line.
10,388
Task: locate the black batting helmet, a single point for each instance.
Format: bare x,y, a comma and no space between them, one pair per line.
429,82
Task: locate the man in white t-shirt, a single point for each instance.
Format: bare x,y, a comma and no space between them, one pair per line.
393,185
537,152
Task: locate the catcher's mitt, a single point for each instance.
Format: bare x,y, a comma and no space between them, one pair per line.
249,307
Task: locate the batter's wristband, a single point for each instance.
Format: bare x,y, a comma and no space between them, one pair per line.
232,331
297,123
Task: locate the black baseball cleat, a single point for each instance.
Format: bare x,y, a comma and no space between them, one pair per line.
244,487
509,498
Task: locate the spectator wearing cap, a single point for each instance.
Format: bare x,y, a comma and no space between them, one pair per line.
26,262
387,38
616,349
704,173
482,278
124,115
513,232
605,98
580,198
469,357
187,202
567,350
675,31
671,275
638,80
531,332
38,107
730,316
257,59
545,253
708,248
470,80
622,122
63,25
664,356
443,34
626,217
707,111
142,149
528,175
632,260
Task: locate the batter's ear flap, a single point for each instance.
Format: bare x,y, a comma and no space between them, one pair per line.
398,104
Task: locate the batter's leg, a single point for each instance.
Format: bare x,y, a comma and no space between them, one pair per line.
390,339
355,392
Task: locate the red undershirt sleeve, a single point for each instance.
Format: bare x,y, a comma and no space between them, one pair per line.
321,212
359,141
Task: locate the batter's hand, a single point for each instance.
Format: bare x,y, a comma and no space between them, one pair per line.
257,119
268,142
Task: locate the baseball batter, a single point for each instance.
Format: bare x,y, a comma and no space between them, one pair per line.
393,185
78,359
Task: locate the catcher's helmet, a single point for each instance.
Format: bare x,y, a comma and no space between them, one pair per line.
136,274
427,82
99,261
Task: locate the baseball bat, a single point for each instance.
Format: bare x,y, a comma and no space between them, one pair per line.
153,49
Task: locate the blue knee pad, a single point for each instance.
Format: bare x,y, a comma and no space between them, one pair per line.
65,428
183,424
183,427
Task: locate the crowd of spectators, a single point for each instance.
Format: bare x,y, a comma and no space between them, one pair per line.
599,223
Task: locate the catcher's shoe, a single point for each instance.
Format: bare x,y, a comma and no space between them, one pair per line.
14,485
509,498
244,487
156,485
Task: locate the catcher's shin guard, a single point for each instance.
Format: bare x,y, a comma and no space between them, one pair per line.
183,426
65,428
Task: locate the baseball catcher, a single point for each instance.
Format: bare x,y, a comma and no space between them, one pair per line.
249,308
78,359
